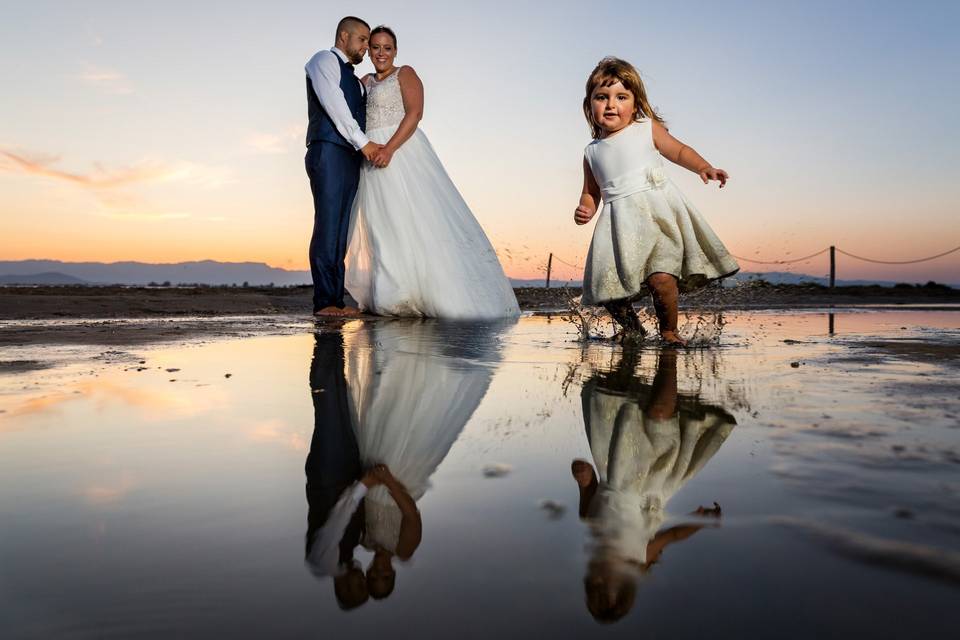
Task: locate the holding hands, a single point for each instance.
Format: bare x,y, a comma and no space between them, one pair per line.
379,155
371,477
383,157
378,474
370,150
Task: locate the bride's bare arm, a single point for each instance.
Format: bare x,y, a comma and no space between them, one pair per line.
412,91
411,526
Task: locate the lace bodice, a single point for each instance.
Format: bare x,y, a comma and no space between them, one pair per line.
384,102
383,522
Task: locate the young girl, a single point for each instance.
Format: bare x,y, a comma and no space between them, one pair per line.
648,236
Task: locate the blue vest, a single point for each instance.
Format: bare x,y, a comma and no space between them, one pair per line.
321,127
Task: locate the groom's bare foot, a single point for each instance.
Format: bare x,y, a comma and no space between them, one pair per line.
327,312
337,312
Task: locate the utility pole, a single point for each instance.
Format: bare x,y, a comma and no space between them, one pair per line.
550,264
833,266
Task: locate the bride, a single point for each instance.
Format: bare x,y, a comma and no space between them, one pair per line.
414,247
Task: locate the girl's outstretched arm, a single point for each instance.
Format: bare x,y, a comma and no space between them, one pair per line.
687,157
589,198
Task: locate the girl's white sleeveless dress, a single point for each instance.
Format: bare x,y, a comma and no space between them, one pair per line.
414,247
642,462
646,225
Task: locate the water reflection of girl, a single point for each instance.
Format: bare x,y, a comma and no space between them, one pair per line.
647,442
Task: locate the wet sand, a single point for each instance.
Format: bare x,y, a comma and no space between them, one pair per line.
140,315
38,303
139,331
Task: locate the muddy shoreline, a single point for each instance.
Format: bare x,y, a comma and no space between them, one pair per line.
37,316
83,302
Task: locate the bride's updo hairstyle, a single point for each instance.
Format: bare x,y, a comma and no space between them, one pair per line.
610,71
387,30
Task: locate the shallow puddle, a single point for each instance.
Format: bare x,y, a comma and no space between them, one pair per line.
800,479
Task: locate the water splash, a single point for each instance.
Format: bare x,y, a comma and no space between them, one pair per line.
701,320
587,320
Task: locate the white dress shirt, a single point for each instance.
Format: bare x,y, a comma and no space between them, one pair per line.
324,73
324,558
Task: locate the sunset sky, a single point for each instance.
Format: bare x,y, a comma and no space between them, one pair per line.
170,131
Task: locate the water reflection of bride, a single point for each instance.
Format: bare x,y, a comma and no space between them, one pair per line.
413,388
408,389
647,441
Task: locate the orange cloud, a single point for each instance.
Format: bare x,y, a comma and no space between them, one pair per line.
278,432
111,81
144,172
109,492
112,187
290,139
40,165
156,403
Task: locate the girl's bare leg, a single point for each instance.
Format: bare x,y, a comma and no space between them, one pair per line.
666,295
587,481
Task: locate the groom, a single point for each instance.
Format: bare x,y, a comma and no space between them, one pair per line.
336,146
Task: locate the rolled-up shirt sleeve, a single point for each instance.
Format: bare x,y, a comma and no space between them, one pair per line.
324,73
324,555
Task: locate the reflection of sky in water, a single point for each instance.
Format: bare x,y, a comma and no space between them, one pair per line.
132,503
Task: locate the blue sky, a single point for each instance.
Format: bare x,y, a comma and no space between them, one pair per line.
169,131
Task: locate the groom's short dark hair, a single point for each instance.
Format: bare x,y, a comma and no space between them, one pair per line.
349,22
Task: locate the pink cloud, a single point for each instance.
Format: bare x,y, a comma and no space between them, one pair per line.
114,188
144,172
109,80
100,178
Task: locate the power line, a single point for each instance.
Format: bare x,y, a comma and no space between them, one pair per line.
939,255
559,259
812,255
851,255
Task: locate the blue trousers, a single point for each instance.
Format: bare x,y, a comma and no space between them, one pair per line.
334,172
333,463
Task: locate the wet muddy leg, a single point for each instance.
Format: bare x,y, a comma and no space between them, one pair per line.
625,315
666,295
587,482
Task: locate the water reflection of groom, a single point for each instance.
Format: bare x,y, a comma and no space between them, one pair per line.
335,488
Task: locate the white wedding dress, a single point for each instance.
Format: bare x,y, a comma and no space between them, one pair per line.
413,387
414,247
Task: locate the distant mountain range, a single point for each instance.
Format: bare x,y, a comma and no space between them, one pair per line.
785,277
48,278
211,272
141,273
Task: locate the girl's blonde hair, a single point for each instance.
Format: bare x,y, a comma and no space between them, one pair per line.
609,71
